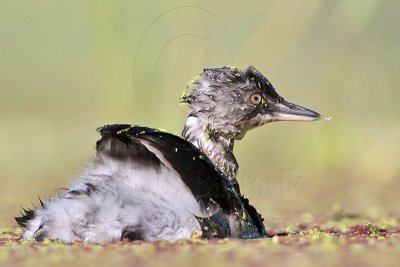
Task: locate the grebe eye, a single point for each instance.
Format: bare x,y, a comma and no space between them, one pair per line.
255,99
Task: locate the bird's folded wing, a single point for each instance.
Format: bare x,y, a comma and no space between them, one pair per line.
153,147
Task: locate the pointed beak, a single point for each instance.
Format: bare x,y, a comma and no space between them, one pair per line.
286,111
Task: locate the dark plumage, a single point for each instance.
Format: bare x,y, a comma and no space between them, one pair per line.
26,216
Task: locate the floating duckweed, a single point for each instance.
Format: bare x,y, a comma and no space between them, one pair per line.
207,132
315,234
252,78
142,132
122,131
189,84
232,109
201,157
228,80
237,74
196,234
243,86
100,128
244,216
258,85
242,108
373,230
290,230
47,241
263,102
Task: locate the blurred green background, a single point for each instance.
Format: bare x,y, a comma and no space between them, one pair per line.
69,66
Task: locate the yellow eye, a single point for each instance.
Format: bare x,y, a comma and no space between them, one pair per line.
255,99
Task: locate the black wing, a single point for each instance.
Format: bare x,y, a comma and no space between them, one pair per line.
206,183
